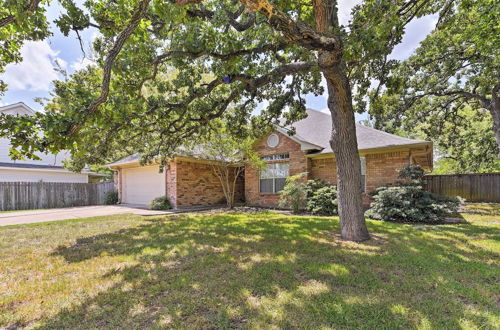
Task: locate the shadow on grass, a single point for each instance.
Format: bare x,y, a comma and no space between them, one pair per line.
233,271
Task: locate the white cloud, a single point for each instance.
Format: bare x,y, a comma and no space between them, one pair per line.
345,8
82,63
416,31
36,71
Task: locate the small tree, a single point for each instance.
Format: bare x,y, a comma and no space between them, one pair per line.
294,194
228,155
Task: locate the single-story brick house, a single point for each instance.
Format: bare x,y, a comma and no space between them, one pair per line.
189,181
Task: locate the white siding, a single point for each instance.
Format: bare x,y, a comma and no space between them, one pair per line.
46,159
39,175
140,185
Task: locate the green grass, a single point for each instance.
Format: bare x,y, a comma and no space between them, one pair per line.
482,208
248,271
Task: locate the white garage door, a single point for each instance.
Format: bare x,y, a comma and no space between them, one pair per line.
142,184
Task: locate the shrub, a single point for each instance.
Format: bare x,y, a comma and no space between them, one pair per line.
111,197
315,185
160,203
323,201
407,201
294,194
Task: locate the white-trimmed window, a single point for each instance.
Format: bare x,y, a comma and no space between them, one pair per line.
363,173
272,178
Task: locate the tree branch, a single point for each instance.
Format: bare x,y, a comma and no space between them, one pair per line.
31,7
296,31
137,16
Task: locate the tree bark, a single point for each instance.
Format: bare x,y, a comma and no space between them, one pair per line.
343,137
345,147
495,114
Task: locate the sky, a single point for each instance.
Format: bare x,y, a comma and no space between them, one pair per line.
32,78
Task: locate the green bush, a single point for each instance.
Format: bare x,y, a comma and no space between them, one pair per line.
323,201
407,201
111,197
160,203
294,194
315,185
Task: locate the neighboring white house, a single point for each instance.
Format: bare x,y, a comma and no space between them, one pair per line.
48,169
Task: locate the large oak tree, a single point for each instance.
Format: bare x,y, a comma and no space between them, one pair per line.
149,90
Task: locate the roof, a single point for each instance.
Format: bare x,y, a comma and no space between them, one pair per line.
316,128
43,167
19,105
134,158
195,152
313,134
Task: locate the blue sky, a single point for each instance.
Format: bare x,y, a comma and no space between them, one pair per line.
33,77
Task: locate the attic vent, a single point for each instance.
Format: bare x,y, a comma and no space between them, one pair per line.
273,140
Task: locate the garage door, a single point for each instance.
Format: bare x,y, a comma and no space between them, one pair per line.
142,184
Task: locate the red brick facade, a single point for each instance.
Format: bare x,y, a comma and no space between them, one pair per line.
381,169
324,169
298,163
191,183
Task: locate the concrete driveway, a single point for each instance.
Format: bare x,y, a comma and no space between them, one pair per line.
32,216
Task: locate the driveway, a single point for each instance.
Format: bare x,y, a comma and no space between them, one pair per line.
32,216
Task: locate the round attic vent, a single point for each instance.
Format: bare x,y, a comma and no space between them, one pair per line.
273,140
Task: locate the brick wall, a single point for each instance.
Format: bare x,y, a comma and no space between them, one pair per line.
298,163
324,169
196,184
171,183
381,170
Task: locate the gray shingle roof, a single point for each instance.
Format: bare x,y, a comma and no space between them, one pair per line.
129,159
314,131
316,128
22,165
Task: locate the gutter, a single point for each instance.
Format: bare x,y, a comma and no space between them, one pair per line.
376,150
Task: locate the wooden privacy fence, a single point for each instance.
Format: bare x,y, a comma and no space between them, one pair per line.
46,195
472,187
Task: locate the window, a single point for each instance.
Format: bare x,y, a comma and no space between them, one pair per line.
363,174
276,157
273,140
272,178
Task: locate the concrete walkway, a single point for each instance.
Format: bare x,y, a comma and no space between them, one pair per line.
32,216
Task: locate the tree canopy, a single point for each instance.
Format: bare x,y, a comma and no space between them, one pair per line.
455,71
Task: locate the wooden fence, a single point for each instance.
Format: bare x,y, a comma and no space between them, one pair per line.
472,187
46,195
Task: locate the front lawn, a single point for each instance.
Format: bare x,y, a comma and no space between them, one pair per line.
248,271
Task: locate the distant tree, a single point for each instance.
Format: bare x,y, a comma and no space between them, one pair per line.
465,144
256,50
456,67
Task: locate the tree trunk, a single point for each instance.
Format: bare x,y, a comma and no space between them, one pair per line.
495,114
343,138
345,147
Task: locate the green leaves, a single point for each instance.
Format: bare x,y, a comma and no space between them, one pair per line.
444,89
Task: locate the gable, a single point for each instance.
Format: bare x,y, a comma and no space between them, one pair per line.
285,145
